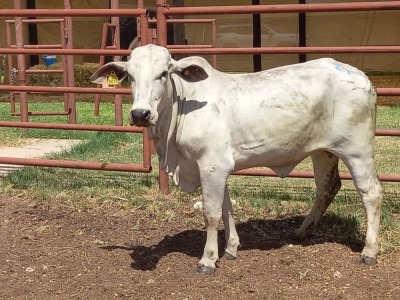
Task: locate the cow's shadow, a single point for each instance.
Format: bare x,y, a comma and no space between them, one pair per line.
254,234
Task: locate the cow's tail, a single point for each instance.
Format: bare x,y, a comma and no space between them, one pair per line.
373,98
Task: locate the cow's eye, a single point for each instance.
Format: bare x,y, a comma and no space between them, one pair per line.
163,75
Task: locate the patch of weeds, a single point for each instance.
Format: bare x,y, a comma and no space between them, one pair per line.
341,228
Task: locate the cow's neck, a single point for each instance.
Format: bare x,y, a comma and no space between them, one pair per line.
164,133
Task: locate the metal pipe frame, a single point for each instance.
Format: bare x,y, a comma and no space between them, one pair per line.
146,167
62,44
164,10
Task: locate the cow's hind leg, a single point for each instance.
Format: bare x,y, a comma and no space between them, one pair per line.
363,171
231,236
327,183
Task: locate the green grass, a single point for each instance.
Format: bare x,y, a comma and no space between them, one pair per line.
256,197
84,116
81,185
388,117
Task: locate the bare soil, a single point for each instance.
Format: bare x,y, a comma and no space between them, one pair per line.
54,251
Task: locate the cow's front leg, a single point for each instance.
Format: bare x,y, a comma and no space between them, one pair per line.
213,188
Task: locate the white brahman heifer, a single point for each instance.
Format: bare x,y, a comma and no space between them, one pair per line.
207,124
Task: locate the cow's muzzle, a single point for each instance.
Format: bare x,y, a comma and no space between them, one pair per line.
140,117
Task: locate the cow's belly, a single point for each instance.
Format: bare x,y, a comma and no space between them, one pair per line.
278,137
282,162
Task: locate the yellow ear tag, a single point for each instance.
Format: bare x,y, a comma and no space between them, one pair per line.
186,73
112,79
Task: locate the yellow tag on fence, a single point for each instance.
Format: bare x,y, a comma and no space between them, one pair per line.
112,79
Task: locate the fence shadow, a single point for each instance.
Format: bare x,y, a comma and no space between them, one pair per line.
254,234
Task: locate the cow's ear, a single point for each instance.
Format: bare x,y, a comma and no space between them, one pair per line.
192,73
190,69
118,67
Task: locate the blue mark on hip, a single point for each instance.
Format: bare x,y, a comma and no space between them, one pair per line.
342,69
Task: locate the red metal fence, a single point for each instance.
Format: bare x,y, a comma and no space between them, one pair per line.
163,11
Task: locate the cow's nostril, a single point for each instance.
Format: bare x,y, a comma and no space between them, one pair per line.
140,114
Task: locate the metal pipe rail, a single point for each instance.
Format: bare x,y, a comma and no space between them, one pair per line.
378,132
281,8
309,174
38,125
292,50
72,12
125,91
61,89
261,50
36,162
35,21
144,168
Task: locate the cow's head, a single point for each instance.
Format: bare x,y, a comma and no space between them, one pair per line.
149,69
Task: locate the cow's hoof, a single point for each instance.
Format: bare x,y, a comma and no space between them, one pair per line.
303,233
228,256
300,234
369,261
204,270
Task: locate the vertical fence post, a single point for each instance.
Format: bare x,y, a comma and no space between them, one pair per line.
257,65
117,97
161,23
19,38
70,65
214,42
143,25
142,34
302,33
162,41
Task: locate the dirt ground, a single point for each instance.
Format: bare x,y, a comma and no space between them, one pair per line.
52,251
